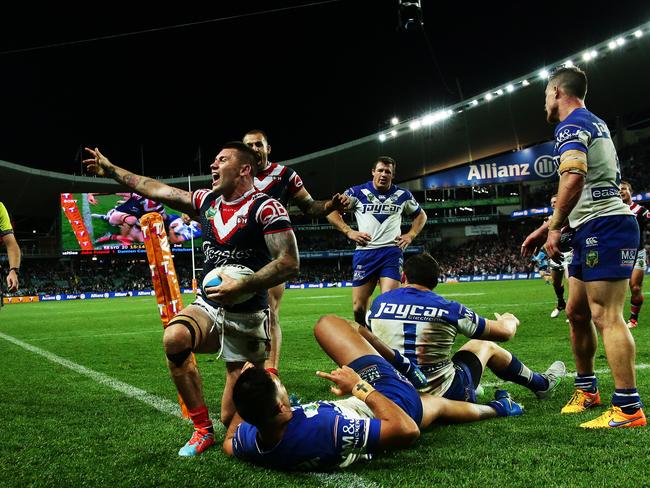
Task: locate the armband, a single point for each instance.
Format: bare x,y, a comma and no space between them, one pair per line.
362,389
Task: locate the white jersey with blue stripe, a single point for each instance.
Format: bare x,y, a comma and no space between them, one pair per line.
600,197
423,326
380,214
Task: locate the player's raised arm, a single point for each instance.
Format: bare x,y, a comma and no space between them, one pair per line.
100,165
319,208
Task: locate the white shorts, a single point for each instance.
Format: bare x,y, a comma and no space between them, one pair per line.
566,260
640,260
243,336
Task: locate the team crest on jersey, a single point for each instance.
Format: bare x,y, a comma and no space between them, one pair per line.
210,213
591,259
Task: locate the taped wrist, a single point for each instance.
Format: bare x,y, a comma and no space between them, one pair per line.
362,389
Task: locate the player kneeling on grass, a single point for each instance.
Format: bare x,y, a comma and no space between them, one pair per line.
385,411
415,323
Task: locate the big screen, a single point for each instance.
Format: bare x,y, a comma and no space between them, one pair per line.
99,223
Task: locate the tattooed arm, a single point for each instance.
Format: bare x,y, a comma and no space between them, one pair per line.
147,187
285,264
319,208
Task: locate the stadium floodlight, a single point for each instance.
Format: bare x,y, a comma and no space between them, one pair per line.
638,33
620,41
415,124
543,74
586,56
510,88
525,83
382,137
612,45
393,133
437,116
568,63
488,96
474,103
499,92
394,121
593,53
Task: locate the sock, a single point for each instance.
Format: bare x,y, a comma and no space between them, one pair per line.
559,293
517,372
636,307
402,364
201,418
627,399
586,382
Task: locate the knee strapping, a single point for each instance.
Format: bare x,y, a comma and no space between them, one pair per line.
179,358
191,325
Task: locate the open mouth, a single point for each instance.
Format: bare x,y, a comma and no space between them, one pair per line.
215,178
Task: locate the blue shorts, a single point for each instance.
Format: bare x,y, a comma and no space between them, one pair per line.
605,249
390,383
466,378
377,263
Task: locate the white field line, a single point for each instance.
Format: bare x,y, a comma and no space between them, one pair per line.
85,336
333,480
154,401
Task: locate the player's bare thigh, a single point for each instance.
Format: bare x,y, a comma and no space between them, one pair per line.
207,337
388,284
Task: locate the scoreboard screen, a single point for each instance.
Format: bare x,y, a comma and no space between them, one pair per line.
109,223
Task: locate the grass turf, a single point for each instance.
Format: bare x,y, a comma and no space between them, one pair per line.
63,428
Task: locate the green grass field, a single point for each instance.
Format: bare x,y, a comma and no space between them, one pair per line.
87,401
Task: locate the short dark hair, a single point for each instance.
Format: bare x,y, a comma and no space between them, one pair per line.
257,131
629,185
422,269
571,79
256,396
385,160
249,154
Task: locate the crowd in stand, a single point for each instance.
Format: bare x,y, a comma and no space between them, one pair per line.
482,255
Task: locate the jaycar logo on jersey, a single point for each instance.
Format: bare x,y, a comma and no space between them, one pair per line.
380,208
412,312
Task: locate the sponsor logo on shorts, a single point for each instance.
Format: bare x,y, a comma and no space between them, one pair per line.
591,241
628,257
359,273
591,259
370,374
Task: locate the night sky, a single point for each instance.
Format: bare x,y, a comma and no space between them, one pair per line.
311,76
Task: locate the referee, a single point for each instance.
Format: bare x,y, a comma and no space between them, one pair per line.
7,237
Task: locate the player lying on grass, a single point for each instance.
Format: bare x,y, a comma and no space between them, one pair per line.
384,413
414,322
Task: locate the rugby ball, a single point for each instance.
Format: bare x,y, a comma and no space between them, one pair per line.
234,271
